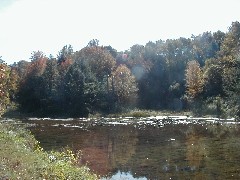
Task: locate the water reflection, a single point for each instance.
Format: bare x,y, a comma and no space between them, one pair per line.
124,175
133,151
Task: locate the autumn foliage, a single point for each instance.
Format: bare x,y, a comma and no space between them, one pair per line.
164,75
124,85
8,85
194,79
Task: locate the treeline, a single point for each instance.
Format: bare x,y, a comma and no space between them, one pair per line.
200,73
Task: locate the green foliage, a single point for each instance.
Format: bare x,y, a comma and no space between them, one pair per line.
93,42
30,93
221,76
65,53
205,46
111,50
230,44
21,157
74,91
51,83
214,106
213,79
159,75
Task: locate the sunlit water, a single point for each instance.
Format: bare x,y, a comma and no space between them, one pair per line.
147,149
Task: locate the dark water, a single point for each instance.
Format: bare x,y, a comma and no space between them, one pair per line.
148,151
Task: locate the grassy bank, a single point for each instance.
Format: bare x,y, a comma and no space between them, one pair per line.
21,157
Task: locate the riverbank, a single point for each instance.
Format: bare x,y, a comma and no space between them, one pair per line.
21,157
137,113
17,114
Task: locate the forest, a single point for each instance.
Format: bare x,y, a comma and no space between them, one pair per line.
200,74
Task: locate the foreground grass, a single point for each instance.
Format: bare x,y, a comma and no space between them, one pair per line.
21,157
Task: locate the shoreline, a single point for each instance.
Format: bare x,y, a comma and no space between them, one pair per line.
23,158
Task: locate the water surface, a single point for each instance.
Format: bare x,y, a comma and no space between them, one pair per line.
147,149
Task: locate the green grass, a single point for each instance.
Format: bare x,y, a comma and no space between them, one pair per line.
21,157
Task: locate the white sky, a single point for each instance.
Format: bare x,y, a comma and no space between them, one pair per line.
48,25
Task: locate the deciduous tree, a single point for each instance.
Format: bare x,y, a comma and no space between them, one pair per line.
4,91
124,85
194,79
99,60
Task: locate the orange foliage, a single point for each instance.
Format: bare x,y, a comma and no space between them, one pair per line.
99,59
64,65
194,79
38,64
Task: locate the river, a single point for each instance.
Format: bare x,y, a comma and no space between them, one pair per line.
147,148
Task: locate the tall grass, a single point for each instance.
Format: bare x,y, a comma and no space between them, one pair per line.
21,157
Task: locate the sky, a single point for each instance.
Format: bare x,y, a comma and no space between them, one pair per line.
48,25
